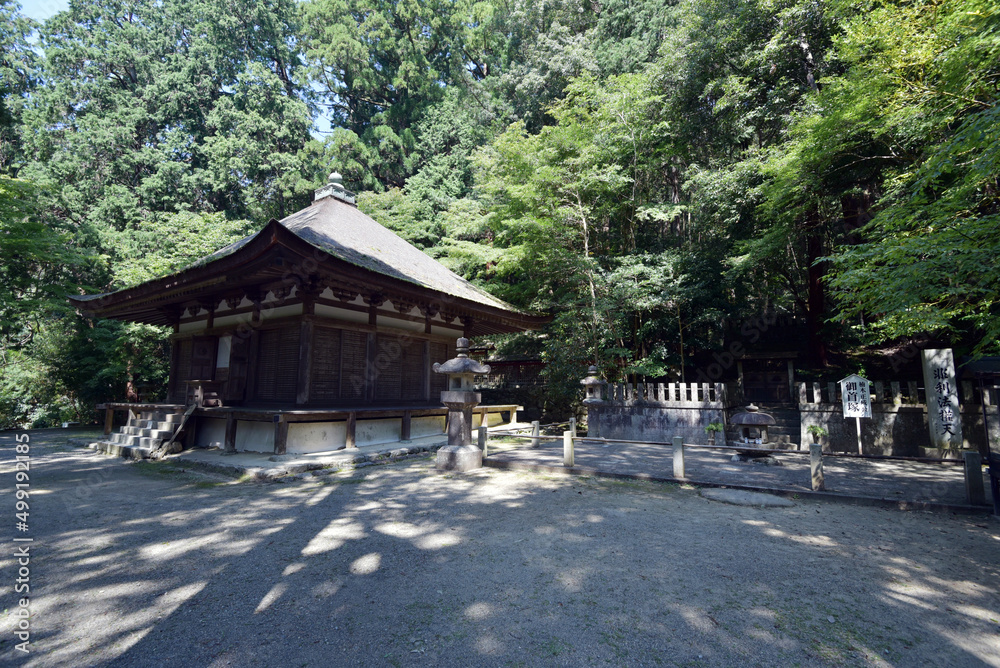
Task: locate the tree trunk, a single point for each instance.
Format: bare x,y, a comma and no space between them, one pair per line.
817,298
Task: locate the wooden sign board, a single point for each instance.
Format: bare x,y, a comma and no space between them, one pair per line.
856,395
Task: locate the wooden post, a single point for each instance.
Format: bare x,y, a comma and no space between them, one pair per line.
404,430
253,356
816,466
371,373
230,432
568,449
428,371
975,493
109,420
305,362
897,394
791,378
679,457
280,434
190,431
535,430
352,425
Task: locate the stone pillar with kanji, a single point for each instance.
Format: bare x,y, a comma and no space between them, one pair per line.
461,454
944,418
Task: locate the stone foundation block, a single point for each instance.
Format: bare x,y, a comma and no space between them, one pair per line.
459,458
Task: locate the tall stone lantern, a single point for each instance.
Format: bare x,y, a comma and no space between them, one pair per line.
460,454
594,387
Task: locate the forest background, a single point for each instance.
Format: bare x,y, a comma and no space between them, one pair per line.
648,172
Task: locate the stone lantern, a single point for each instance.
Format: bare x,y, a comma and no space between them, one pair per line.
753,425
594,387
460,454
753,432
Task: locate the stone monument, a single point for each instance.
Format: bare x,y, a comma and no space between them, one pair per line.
944,419
460,454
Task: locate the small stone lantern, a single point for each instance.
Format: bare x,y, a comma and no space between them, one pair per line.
460,454
594,387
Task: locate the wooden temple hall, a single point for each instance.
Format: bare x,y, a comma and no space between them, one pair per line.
314,334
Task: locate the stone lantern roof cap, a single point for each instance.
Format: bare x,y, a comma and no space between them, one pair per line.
592,378
461,363
753,418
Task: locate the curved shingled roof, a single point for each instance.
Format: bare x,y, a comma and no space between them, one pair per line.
343,231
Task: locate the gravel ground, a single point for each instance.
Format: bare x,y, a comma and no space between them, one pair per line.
140,564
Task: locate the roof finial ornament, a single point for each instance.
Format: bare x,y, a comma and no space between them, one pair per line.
334,188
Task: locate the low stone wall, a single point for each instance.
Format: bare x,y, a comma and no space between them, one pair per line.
648,421
893,429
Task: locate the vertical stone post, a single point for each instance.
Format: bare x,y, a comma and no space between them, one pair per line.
483,435
679,457
109,420
572,425
568,449
975,493
460,454
594,387
536,429
816,466
944,420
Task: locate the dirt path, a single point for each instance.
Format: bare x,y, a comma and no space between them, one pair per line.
146,565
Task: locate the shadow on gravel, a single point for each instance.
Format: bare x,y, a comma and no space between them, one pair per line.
403,566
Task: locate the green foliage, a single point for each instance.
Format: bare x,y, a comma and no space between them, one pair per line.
715,427
929,260
169,242
156,107
34,265
17,65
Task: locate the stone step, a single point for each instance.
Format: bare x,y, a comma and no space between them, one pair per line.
154,433
120,450
156,425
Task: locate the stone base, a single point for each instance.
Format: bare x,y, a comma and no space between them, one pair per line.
766,460
459,458
941,453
